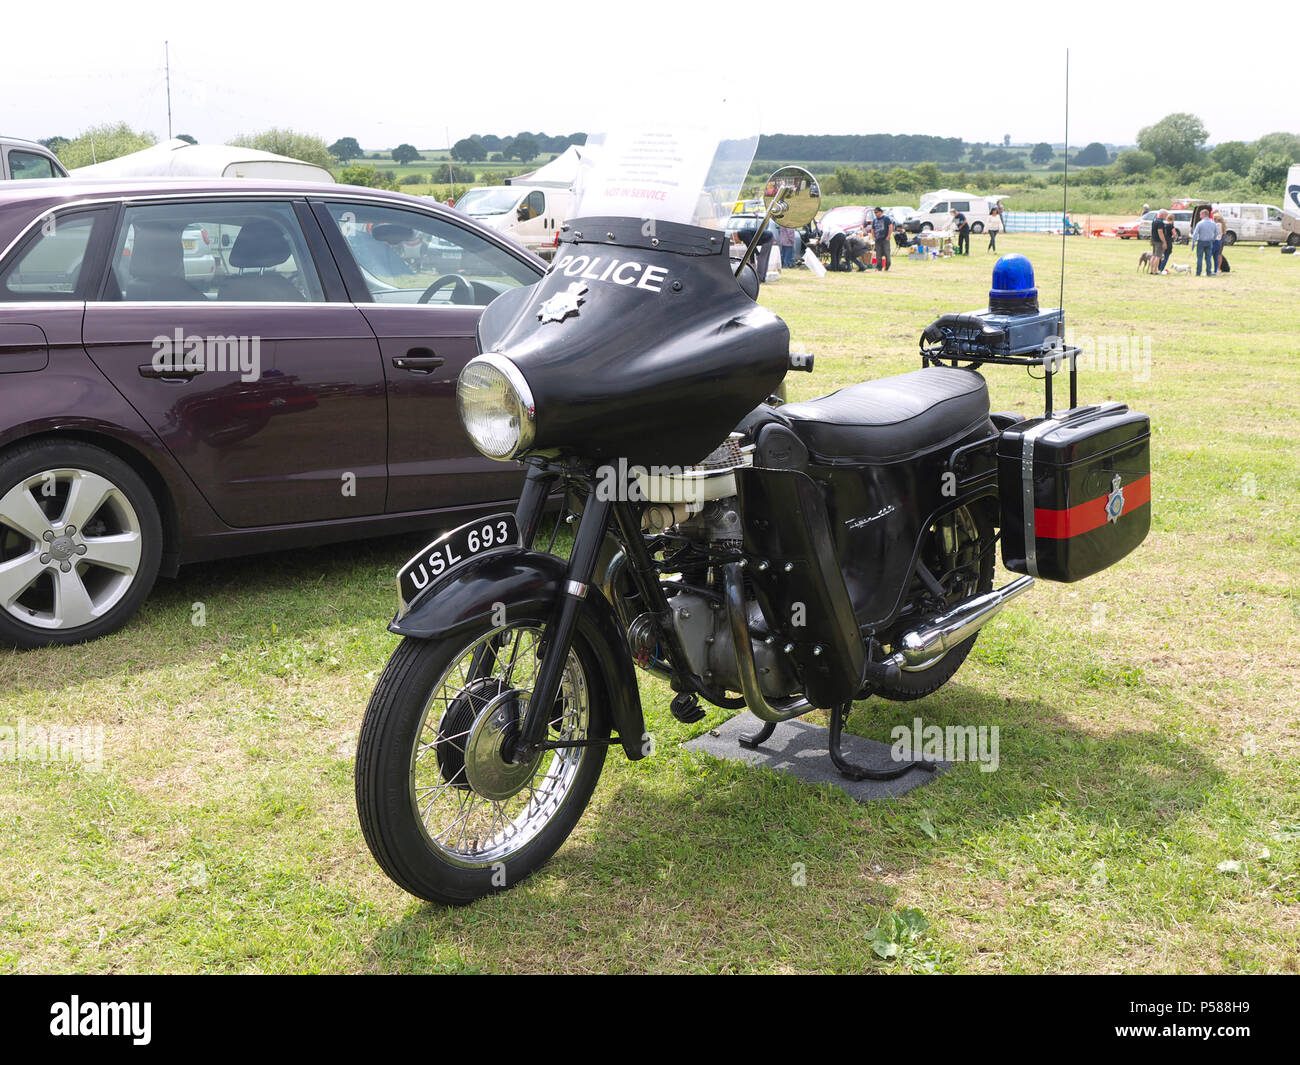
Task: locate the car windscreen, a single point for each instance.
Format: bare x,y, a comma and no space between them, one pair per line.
481,202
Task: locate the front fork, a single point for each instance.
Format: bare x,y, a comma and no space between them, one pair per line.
559,634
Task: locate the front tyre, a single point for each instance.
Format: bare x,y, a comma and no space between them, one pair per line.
446,816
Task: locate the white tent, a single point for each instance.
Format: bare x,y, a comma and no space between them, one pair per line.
178,158
559,173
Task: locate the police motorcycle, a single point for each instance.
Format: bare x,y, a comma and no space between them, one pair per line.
780,557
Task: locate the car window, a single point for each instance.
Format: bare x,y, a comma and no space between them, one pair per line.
961,205
50,267
228,252
536,203
1275,214
406,255
30,165
940,208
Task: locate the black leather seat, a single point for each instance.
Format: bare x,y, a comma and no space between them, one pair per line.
261,245
892,418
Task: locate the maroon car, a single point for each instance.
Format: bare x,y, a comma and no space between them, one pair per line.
197,370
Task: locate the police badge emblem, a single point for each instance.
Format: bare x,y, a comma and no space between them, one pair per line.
1115,501
562,304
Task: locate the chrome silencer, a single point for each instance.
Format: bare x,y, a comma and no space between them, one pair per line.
943,633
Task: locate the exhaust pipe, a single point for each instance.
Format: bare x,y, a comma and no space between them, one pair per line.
943,633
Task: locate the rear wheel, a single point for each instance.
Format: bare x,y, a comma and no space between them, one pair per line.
445,814
959,553
977,227
1229,237
80,543
1293,239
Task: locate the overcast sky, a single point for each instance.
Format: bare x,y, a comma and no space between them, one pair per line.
485,66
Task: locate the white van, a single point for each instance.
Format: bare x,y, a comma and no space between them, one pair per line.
1291,206
528,214
1251,221
936,208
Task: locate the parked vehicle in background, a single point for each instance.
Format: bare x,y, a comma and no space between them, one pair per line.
1291,206
529,215
27,160
1182,220
937,207
848,219
900,216
1129,230
1251,221
197,370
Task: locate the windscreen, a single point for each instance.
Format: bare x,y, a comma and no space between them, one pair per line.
688,172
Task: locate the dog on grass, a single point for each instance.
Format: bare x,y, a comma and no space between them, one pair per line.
1175,268
1144,261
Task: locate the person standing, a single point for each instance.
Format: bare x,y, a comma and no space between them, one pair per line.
882,231
1218,242
786,238
1206,234
995,226
1165,244
963,232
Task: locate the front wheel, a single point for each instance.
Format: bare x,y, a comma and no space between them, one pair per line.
445,814
977,227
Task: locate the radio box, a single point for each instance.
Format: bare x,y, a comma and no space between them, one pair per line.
1026,333
1075,489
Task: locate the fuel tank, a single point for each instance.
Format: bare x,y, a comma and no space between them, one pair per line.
639,343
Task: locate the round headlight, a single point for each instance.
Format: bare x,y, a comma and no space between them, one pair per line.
496,406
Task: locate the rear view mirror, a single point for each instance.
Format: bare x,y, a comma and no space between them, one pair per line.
793,196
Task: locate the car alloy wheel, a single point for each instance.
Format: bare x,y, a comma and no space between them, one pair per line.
79,545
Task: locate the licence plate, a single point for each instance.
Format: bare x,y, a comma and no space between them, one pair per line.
450,550
188,245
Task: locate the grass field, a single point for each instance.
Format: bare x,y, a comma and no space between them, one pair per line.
1145,815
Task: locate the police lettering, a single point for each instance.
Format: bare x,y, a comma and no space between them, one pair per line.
613,271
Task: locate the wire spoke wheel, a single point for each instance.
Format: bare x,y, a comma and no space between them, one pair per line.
475,807
446,810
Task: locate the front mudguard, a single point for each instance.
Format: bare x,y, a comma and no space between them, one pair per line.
529,583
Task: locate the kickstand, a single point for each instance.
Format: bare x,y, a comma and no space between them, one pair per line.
848,769
753,739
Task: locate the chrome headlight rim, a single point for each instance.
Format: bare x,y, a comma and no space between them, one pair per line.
523,396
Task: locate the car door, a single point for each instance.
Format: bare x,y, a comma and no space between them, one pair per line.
1273,226
270,396
1252,218
531,230
422,280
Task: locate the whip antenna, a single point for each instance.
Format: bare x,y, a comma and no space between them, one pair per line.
1065,182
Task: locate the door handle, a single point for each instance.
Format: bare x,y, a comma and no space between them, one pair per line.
148,369
418,360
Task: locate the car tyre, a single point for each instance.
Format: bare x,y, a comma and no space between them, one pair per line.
80,543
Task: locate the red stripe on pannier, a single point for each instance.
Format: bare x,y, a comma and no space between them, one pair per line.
1063,524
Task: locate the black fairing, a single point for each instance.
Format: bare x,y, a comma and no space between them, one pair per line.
664,355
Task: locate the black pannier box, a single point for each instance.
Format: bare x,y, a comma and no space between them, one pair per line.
1075,489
